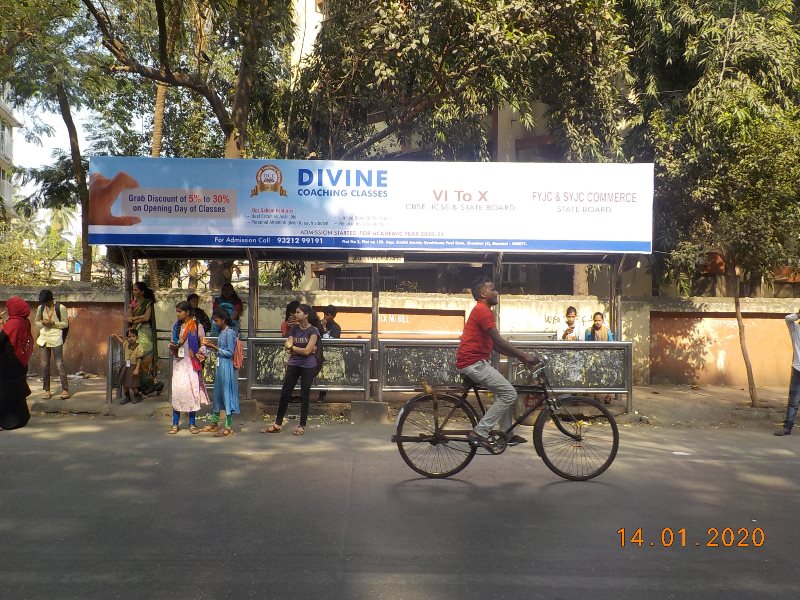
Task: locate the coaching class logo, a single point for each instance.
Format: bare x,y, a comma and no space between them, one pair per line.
268,179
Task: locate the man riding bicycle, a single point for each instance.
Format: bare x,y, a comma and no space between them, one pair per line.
473,359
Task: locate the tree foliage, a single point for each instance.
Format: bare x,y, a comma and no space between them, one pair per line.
432,73
720,83
220,50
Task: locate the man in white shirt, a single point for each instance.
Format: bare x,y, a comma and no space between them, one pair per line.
794,382
52,320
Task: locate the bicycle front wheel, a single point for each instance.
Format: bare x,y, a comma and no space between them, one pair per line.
432,435
578,440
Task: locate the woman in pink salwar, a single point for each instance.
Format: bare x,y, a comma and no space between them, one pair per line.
188,388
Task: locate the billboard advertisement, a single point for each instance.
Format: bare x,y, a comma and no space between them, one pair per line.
371,205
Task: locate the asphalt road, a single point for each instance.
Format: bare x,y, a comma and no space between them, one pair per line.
100,508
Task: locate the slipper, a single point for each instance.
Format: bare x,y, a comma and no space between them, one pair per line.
193,429
224,432
210,428
173,430
475,440
271,429
299,431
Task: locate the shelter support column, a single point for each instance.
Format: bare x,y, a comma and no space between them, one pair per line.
127,288
615,308
252,314
497,278
372,410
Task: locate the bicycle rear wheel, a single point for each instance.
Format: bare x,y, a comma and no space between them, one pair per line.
432,435
578,440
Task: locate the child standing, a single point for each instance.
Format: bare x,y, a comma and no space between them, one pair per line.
226,382
598,332
129,375
188,388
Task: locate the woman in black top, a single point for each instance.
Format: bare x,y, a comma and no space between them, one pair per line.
16,346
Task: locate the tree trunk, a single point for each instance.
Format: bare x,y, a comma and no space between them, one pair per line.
152,271
580,281
155,152
158,119
80,180
193,275
733,284
219,273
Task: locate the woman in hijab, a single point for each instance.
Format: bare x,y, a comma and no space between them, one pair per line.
16,346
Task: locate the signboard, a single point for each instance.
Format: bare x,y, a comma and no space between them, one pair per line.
375,258
371,206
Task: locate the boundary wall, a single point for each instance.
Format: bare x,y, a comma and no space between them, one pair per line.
675,341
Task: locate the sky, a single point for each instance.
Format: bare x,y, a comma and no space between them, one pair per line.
29,155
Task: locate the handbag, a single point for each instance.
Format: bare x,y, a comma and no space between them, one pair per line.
238,354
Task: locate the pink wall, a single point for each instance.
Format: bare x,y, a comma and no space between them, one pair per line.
90,324
704,348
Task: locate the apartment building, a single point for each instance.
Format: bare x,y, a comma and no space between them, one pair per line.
7,125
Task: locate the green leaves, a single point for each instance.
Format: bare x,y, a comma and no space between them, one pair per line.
721,113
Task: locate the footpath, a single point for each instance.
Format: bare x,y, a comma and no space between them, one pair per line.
653,406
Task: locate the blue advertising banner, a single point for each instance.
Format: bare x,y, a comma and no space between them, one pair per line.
371,206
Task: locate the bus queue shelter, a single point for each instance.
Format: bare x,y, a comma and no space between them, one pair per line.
445,213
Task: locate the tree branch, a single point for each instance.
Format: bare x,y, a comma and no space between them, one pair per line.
181,79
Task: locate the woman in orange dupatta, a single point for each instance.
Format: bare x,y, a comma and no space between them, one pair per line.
188,387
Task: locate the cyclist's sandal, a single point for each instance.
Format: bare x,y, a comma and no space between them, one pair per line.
274,428
476,440
516,439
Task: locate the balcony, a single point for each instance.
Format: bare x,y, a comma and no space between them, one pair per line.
7,150
6,191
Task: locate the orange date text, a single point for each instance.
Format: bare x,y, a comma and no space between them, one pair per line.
715,537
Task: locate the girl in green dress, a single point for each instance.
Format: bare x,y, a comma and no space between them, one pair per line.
143,319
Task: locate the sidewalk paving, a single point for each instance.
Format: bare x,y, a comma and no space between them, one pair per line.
654,405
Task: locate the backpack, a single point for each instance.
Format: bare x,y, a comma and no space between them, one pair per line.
238,354
65,331
319,354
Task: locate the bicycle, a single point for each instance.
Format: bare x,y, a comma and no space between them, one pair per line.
576,437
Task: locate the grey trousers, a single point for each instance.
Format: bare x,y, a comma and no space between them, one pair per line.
58,353
483,373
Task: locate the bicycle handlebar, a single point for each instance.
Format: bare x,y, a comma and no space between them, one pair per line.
536,369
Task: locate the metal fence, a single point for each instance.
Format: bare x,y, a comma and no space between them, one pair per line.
572,367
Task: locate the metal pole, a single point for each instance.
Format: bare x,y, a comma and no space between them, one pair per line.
612,297
252,317
374,366
616,315
127,288
497,278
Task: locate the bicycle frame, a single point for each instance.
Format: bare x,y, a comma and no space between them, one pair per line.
544,388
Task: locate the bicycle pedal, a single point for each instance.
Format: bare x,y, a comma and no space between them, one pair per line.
498,443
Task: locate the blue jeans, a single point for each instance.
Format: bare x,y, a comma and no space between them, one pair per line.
794,399
483,373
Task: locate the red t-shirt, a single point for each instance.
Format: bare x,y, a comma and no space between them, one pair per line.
475,341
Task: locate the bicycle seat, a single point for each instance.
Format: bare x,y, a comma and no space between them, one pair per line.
438,389
469,384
